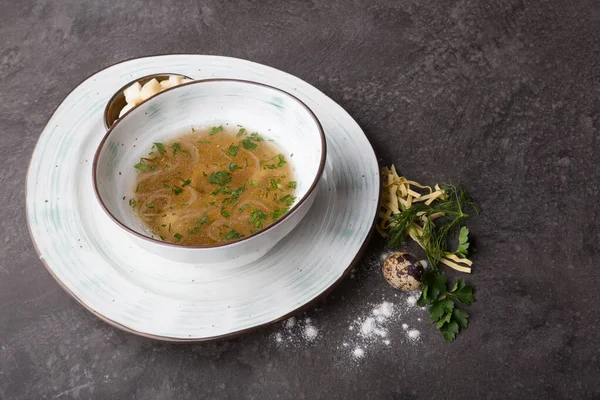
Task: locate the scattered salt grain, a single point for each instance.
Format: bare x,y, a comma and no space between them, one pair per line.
367,327
386,342
278,337
310,333
358,353
290,322
404,326
411,300
414,334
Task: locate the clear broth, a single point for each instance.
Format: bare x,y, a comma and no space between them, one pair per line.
212,186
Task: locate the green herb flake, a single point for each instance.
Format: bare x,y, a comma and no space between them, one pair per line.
151,205
124,197
137,188
288,199
276,214
178,237
242,208
165,186
177,149
232,234
187,182
132,203
177,190
224,213
249,144
241,132
257,218
215,129
220,178
272,183
198,225
254,184
232,150
291,185
160,148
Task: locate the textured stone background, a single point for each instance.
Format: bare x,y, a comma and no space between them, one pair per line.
501,95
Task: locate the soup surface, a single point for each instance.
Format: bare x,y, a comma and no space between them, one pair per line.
212,186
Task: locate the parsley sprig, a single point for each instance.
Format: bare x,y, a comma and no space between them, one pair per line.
433,225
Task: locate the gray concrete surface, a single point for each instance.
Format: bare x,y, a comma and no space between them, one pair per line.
501,95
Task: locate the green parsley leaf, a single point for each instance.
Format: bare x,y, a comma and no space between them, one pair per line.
439,308
242,208
232,234
248,144
463,242
187,182
160,147
276,214
272,183
215,129
178,237
198,225
165,186
224,213
241,132
450,330
177,190
232,150
282,160
254,183
291,185
255,137
464,294
220,178
288,199
151,205
257,218
137,188
132,203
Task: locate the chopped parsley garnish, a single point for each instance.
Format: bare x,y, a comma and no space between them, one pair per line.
288,199
224,213
151,205
196,228
204,174
143,165
254,183
187,182
232,150
241,132
276,214
178,237
233,166
137,188
177,149
220,178
292,185
232,234
132,203
281,162
165,186
177,190
254,136
273,183
215,129
160,147
242,208
124,197
257,218
248,144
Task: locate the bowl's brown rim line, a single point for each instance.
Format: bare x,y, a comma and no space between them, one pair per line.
169,339
122,89
322,161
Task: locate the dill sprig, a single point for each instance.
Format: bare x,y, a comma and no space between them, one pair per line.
433,236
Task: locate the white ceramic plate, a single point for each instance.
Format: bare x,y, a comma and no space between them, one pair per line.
99,265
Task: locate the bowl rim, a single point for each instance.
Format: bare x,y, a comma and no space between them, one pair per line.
121,91
322,160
